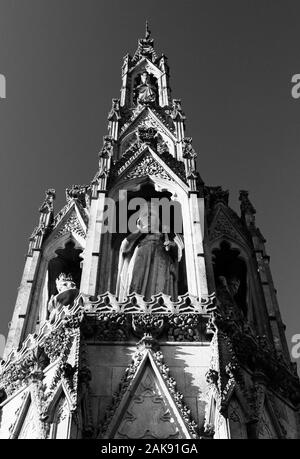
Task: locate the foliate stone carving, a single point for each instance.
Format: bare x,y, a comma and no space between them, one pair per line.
72,225
147,166
55,343
177,396
223,227
112,327
65,371
78,193
147,135
105,326
18,374
164,115
238,347
136,149
148,323
73,319
147,342
184,327
157,118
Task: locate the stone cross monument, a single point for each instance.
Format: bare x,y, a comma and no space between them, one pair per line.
147,307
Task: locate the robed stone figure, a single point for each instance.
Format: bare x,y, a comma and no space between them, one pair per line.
149,258
146,91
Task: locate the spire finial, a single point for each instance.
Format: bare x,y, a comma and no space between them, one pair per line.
147,31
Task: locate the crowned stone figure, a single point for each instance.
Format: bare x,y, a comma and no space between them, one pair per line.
67,292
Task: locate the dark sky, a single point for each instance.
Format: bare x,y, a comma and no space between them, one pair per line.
231,64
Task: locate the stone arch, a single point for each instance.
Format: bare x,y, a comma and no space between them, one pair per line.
111,242
67,260
155,74
179,192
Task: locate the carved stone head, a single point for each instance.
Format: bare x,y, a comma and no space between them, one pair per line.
65,282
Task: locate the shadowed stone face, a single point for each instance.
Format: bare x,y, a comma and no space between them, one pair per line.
64,283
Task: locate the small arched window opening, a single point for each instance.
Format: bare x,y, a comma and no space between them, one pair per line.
67,261
170,229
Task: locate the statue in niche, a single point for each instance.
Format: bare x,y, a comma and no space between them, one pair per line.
232,284
67,292
149,258
146,91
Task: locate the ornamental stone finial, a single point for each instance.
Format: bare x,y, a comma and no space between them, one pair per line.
246,205
47,205
247,210
147,31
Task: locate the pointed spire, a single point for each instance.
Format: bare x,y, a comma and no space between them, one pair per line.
47,208
147,31
145,47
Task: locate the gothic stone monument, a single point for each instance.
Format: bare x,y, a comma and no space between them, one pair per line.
152,331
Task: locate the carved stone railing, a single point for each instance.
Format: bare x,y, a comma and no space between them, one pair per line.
159,303
107,304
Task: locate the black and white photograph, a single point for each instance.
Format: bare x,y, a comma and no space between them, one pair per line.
150,157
